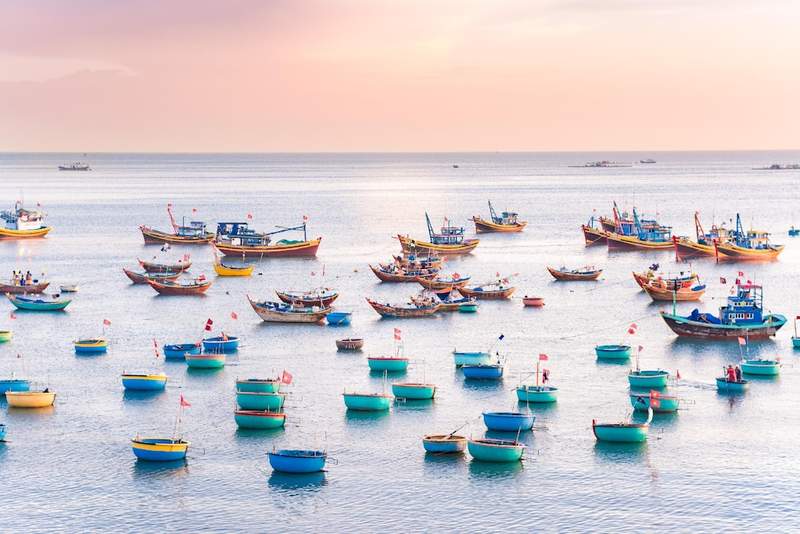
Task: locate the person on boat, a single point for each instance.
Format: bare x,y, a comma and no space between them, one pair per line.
730,374
28,277
545,376
738,373
14,278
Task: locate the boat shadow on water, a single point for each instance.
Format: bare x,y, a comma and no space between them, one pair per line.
494,470
257,434
700,349
297,483
141,395
538,408
620,452
363,418
413,405
163,470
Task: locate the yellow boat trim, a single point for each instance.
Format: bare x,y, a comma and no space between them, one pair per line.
407,242
145,377
159,447
39,232
635,241
735,251
102,343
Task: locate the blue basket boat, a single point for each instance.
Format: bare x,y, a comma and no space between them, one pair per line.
38,302
613,352
144,381
444,443
159,449
648,379
367,402
664,403
508,421
248,400
220,344
205,361
483,372
471,358
96,345
391,364
495,450
2,432
736,386
258,385
413,391
761,367
180,350
259,419
339,318
297,460
537,393
14,384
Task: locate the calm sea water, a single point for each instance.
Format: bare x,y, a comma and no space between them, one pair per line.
719,464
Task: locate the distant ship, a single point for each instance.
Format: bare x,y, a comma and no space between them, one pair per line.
647,160
779,167
604,163
77,166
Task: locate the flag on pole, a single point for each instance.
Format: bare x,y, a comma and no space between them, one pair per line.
397,334
184,402
722,280
305,218
740,273
12,316
640,348
634,326
631,331
250,216
286,377
106,322
234,316
678,374
155,343
208,325
543,357
194,210
742,341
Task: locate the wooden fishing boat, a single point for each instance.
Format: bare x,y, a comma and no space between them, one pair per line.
349,344
255,400
742,317
14,384
443,283
232,270
731,386
143,277
297,461
662,290
193,233
415,246
196,286
506,222
280,312
180,350
205,361
495,450
471,358
155,267
703,246
339,318
444,443
22,223
493,291
483,371
452,301
613,352
6,335
259,385
651,274
620,432
159,449
752,245
594,234
367,402
20,289
259,419
413,391
391,364
508,421
38,302
322,297
408,310
236,239
30,399
761,367
639,234
536,394
532,302
413,262
144,381
660,403
68,288
609,225
392,273
583,274
221,344
97,345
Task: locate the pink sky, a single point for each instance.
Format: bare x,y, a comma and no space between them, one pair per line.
398,75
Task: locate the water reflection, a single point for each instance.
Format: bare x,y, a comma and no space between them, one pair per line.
297,484
620,452
142,469
493,470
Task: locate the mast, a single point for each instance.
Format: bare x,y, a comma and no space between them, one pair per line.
698,228
172,218
492,213
430,226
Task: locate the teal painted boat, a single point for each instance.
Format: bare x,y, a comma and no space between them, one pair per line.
259,385
648,379
390,364
732,386
537,394
468,307
249,400
144,381
620,432
495,450
205,361
796,342
159,449
367,402
38,302
613,352
471,358
259,419
761,367
413,391
659,404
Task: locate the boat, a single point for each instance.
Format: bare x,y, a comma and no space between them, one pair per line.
609,224
483,371
413,390
506,222
499,290
468,307
412,261
703,246
6,335
76,166
391,364
651,274
19,288
39,302
30,399
2,433
647,161
367,402
536,394
195,286
232,270
236,239
532,302
584,274
449,240
254,400
143,277
407,310
471,358
175,267
14,384
741,317
194,233
594,233
761,367
180,350
259,419
508,421
613,352
794,232
338,318
453,301
648,379
392,273
658,402
495,450
444,443
795,337
639,234
69,288
159,449
205,361
752,245
349,344
259,385
221,344
731,386
779,167
602,164
444,283
321,297
97,345
622,432
22,223
297,461
144,381
279,312
664,290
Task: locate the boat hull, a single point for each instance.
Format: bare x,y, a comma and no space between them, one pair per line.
444,444
684,294
477,293
159,450
387,310
141,278
297,461
483,226
471,358
228,270
6,335
731,252
563,276
260,401
761,367
350,344
699,330
368,402
495,450
665,404
298,315
157,237
533,302
620,433
89,346
723,386
144,382
260,420
648,379
219,345
508,421
613,352
38,306
686,249
414,391
7,233
413,246
593,236
257,385
391,365
338,318
292,250
537,394
30,399
324,301
23,290
625,242
179,351
482,372
165,287
205,361
14,384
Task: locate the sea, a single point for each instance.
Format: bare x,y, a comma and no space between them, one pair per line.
721,463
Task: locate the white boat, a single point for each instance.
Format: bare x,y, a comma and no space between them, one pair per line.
77,166
22,222
602,164
647,160
69,288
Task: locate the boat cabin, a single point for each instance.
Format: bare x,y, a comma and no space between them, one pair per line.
22,219
745,307
194,229
238,234
447,235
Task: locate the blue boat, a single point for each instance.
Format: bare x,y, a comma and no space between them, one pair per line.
536,394
297,460
38,302
220,344
658,403
731,386
258,385
96,345
179,351
248,400
761,367
159,449
471,358
144,381
508,421
2,432
483,372
444,443
339,318
14,384
794,232
613,352
495,450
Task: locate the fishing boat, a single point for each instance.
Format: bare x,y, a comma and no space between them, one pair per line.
223,269
761,367
665,290
97,345
221,344
22,288
646,378
280,312
367,402
613,352
752,245
30,399
622,432
205,361
608,223
194,233
532,302
38,302
537,394
449,240
471,358
195,286
144,381
703,246
338,318
444,443
594,233
391,364
742,317
731,386
259,385
495,450
656,401
259,419
412,261
602,164
392,273
416,308
499,290
647,161
76,166
483,371
180,350
413,390
640,234
468,307
583,274
68,288
322,297
255,400
453,301
349,344
508,421
444,283
175,267
794,232
683,279
14,384
159,449
297,461
21,223
6,335
143,277
506,222
236,239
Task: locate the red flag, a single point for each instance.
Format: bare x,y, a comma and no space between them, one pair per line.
106,322
250,216
654,399
286,377
234,316
185,257
497,274
305,218
640,348
169,205
678,374
202,277
722,280
631,330
184,402
155,343
543,357
194,210
313,273
634,326
456,276
12,315
742,341
740,273
397,334
208,325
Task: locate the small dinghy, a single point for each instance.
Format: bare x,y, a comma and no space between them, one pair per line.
647,379
180,350
492,291
613,352
97,345
537,394
321,297
349,344
252,400
584,274
154,267
14,384
280,312
258,385
483,372
205,361
471,358
69,288
159,449
391,364
444,443
38,302
508,421
6,335
761,367
195,286
30,399
144,381
297,461
413,391
259,419
532,302
143,277
367,402
732,386
221,344
339,318
495,450
622,432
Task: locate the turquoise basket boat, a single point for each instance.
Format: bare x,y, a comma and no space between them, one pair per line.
180,350
796,342
159,449
38,302
648,379
537,393
144,382
471,358
259,385
444,443
205,361
248,400
221,344
723,386
495,450
666,403
508,421
2,432
413,391
338,318
620,432
483,372
14,384
91,346
389,364
613,352
259,419
468,307
367,402
297,461
761,367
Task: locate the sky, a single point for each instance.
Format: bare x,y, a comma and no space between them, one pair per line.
398,75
